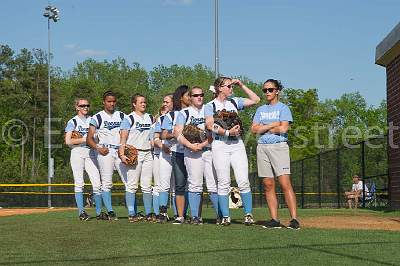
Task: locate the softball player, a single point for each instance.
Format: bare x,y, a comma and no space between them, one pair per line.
106,125
228,148
157,146
83,158
198,157
135,131
162,164
181,100
271,122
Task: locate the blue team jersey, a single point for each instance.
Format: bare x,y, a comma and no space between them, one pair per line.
266,114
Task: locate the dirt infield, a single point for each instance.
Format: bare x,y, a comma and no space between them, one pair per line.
10,212
363,222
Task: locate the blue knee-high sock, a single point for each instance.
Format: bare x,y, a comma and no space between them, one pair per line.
174,205
147,202
130,203
185,209
135,205
98,202
106,195
214,201
247,202
194,203
156,204
223,202
79,201
163,199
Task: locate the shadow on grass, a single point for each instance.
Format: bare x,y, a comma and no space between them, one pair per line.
313,247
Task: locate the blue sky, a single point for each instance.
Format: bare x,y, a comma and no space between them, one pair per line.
328,45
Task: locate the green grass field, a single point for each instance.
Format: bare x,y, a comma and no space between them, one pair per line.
59,238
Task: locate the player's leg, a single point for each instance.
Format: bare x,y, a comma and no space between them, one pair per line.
106,168
130,177
94,177
240,167
172,194
180,174
77,165
145,182
165,181
195,170
221,161
211,181
156,187
265,171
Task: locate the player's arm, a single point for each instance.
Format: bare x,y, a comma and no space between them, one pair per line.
181,139
71,141
165,134
90,141
123,136
259,129
211,126
157,141
252,97
282,128
166,129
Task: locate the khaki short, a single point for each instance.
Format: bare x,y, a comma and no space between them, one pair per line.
273,160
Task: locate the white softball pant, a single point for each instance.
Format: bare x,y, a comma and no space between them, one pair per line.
226,154
156,174
143,170
107,164
199,166
165,172
83,159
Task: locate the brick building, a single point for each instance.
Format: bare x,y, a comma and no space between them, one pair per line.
388,55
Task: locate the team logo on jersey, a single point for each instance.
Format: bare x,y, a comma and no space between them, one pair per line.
111,125
142,127
270,115
83,130
197,120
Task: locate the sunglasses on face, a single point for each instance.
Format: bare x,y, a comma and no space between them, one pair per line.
84,105
228,86
265,90
198,95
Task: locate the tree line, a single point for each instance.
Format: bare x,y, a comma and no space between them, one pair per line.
319,125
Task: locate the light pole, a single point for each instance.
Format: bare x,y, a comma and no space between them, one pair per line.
216,40
51,13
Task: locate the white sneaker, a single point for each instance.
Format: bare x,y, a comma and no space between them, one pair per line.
226,221
248,219
179,220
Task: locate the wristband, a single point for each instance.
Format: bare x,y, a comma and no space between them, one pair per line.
226,133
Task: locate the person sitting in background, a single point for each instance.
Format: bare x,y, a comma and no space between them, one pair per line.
356,192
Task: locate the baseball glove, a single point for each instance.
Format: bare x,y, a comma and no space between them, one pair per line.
76,135
194,134
132,154
227,119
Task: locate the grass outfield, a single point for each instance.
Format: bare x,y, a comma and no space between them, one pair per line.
58,238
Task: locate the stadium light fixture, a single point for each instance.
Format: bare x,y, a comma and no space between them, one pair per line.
51,13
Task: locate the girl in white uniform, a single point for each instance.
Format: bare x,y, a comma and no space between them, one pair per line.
135,131
157,146
164,162
106,125
198,157
228,148
83,158
181,100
